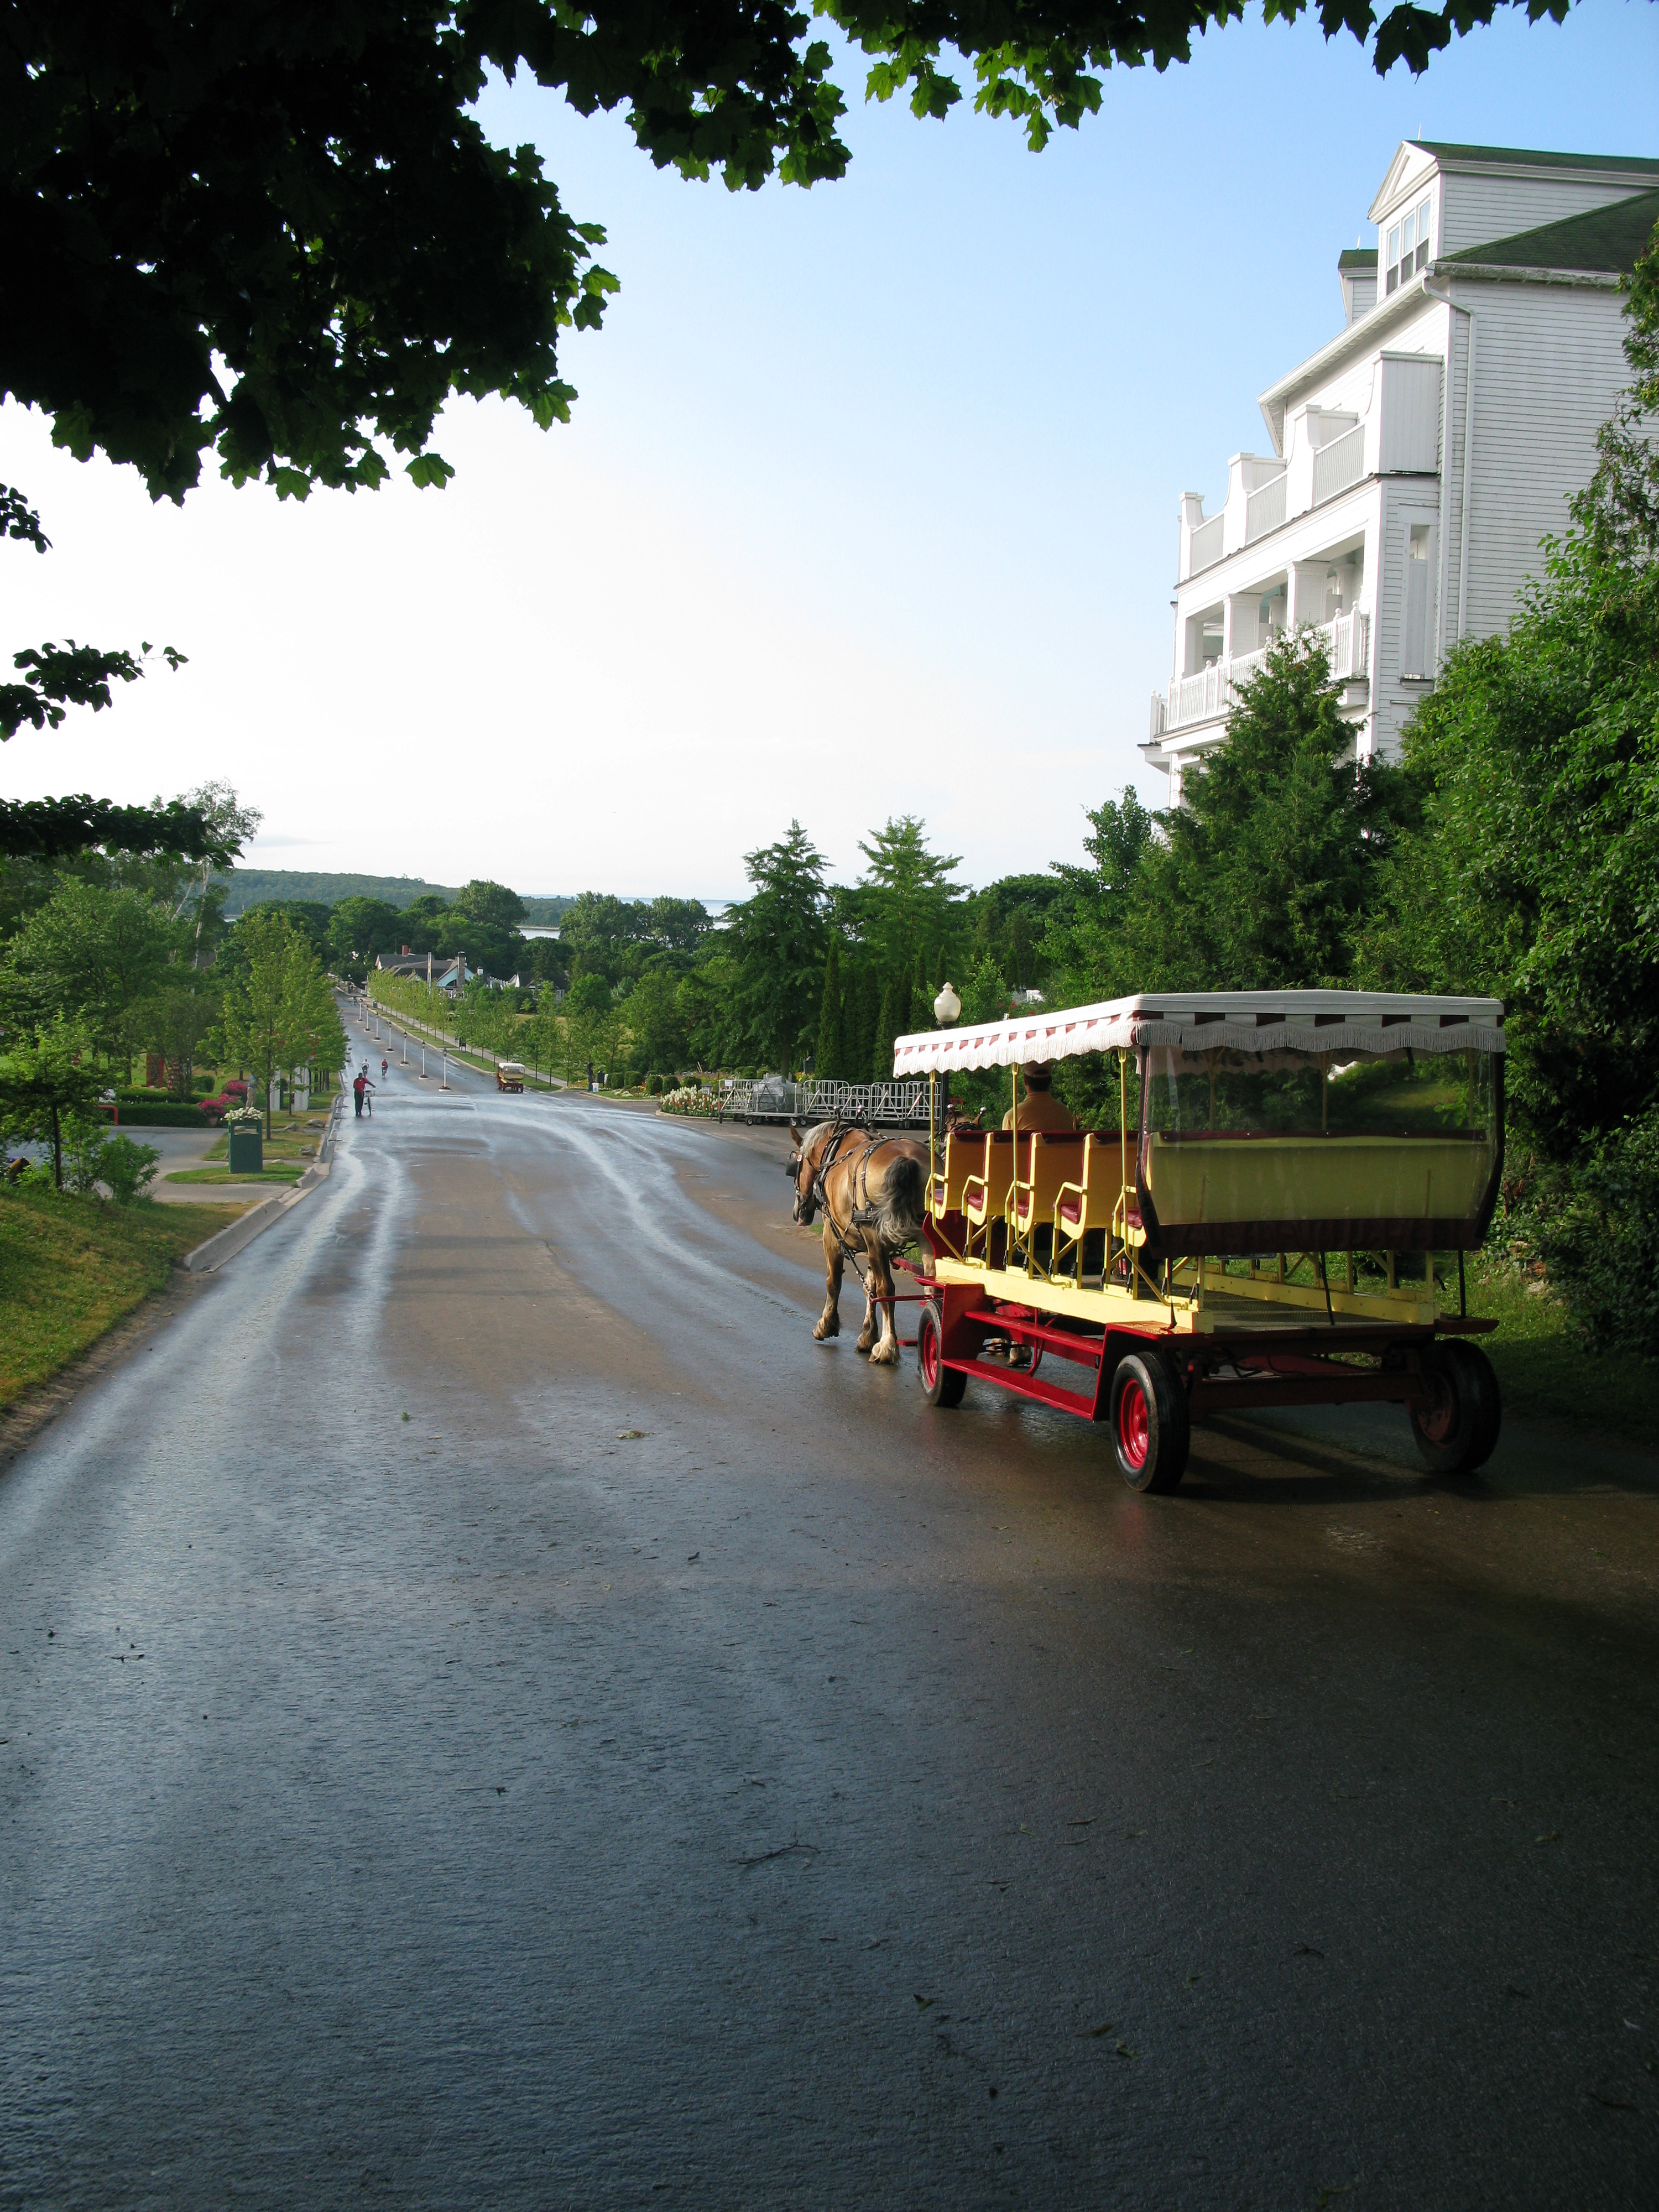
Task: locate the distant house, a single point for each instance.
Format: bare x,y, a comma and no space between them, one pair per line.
1421,456
448,971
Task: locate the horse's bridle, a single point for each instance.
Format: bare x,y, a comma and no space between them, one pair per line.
818,1197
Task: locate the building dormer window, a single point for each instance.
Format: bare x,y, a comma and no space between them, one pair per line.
1408,247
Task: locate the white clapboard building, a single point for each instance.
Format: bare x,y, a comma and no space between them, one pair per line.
1416,461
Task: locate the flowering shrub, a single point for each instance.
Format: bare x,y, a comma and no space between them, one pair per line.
688,1098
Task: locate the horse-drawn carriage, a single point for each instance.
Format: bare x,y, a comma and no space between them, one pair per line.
1273,1220
509,1075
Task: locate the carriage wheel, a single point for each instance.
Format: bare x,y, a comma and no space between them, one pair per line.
1457,1431
1151,1427
940,1385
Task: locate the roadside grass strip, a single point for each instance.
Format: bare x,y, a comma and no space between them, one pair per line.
1544,1369
72,1267
273,1171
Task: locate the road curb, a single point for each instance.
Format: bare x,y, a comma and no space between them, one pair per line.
226,1243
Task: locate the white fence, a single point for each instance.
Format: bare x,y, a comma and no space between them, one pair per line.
1339,464
1212,692
1206,547
775,1098
1264,508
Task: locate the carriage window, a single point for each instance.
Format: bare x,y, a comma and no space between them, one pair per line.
1404,1094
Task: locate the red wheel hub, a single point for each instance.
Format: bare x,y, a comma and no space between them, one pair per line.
1134,1427
1438,1419
929,1353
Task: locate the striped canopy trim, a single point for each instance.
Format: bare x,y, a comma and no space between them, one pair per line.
1353,1024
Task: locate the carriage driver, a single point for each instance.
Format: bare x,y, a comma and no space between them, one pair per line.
1039,1109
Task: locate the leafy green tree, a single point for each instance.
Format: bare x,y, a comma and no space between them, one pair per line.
279,1011
359,928
92,953
777,938
422,921
678,925
1086,927
492,904
47,1076
652,1017
1265,868
176,1020
305,199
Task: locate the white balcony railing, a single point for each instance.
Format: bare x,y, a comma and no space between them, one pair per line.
1212,693
1264,508
1207,544
1339,464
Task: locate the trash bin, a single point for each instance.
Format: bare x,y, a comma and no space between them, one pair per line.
248,1152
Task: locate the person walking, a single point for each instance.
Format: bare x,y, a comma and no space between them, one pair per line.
384,1063
358,1083
368,1093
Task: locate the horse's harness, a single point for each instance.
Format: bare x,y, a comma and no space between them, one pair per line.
863,1213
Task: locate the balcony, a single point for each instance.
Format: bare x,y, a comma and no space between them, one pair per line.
1264,508
1326,450
1212,692
1339,464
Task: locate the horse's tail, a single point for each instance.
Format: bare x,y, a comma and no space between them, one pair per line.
901,1206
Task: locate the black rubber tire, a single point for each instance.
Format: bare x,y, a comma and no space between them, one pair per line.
940,1385
1461,1432
1151,1437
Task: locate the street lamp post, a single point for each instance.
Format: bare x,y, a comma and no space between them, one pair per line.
946,1007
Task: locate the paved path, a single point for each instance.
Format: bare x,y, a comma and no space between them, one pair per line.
673,1766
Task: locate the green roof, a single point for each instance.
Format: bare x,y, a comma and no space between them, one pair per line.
1356,257
1608,239
1641,164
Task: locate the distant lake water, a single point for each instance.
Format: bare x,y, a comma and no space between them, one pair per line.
716,907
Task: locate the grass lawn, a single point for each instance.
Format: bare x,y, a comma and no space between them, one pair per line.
1545,1374
72,1267
272,1171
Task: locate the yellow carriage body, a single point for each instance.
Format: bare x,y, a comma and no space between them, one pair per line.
1256,1130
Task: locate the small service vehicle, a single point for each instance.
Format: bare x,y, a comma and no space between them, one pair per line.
1275,1213
509,1075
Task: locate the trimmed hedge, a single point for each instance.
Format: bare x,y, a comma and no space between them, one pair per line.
163,1117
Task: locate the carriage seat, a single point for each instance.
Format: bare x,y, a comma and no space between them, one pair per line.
1053,1160
964,1156
1090,1200
985,1188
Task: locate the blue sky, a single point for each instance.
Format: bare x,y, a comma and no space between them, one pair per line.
867,504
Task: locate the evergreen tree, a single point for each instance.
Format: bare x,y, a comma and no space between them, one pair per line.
1274,853
869,1019
828,1059
907,898
777,940
887,1028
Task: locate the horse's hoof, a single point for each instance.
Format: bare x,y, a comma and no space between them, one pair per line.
885,1355
823,1328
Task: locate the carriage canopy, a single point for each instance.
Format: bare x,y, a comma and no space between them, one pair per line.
1353,1024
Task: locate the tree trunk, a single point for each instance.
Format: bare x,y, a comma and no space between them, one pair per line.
56,1148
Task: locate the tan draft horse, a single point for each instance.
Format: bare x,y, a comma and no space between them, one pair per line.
870,1191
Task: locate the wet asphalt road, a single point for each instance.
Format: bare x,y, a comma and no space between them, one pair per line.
494,1716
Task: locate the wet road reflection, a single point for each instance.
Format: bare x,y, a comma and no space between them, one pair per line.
494,1714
